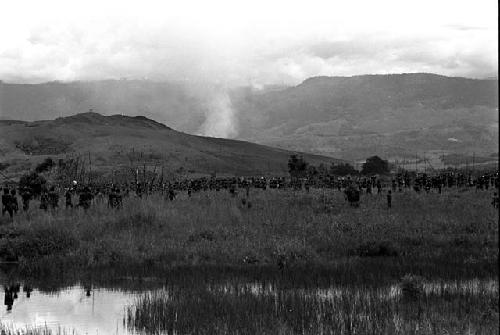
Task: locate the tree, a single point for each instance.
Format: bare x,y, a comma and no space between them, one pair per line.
342,169
297,167
375,165
46,165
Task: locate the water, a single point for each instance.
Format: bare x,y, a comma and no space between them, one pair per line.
82,309
100,312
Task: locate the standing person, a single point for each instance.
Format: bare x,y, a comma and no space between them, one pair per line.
379,186
68,196
389,199
495,200
112,197
85,198
232,190
171,193
26,198
13,201
118,197
138,190
44,200
247,189
352,195
5,200
7,203
53,198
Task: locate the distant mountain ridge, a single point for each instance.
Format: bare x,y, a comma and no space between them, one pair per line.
389,115
352,118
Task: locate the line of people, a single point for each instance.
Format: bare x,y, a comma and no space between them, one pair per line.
351,186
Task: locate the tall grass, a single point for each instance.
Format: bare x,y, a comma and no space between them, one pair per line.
236,308
282,229
42,330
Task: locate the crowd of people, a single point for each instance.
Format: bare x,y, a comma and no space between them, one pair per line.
352,186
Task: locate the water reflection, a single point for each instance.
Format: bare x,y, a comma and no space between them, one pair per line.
79,309
94,308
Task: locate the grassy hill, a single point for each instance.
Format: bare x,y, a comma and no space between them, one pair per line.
109,142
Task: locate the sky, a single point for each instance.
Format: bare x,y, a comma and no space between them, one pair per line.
253,43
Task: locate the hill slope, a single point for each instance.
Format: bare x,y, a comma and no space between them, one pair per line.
395,116
123,141
389,115
170,102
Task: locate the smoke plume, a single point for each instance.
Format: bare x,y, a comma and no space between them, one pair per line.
221,117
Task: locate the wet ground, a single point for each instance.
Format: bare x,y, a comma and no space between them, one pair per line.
97,309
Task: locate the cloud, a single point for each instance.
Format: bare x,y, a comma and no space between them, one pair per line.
226,43
235,44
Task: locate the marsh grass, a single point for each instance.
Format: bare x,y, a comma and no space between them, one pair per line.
42,330
243,308
427,233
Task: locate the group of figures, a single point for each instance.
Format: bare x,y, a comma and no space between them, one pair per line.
352,187
12,293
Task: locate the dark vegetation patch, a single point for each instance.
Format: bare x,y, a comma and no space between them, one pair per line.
375,249
34,242
43,146
206,235
44,166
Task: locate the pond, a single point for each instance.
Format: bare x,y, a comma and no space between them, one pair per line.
246,305
95,311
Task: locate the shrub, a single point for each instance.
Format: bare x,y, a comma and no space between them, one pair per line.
46,165
35,242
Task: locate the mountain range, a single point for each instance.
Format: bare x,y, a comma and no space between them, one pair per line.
395,116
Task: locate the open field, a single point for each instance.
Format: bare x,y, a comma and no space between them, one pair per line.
455,230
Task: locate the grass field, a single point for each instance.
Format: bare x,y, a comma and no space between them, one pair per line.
456,230
290,263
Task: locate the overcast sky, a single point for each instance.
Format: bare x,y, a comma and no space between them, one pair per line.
244,42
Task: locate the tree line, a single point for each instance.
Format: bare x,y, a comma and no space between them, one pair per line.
299,168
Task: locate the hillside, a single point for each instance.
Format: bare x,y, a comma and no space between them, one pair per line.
396,116
111,142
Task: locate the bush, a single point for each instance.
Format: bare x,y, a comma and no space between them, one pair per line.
376,249
36,242
342,169
46,165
